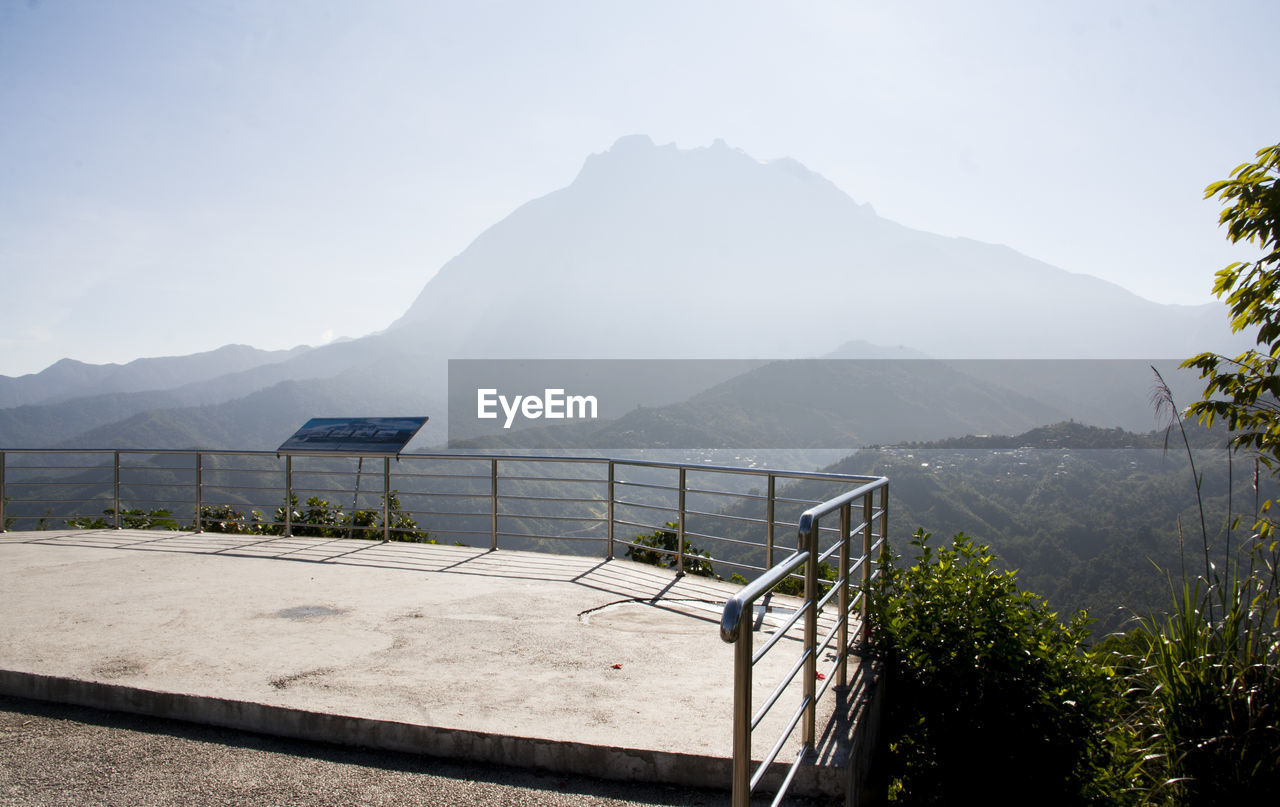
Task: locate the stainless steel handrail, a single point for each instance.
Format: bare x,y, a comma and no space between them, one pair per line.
738,631
208,470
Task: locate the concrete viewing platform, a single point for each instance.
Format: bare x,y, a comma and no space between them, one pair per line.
576,664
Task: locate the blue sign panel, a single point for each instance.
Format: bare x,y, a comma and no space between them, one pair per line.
367,436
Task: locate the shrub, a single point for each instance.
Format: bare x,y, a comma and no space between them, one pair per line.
989,697
320,519
696,561
131,519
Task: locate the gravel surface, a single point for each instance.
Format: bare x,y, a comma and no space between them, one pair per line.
51,754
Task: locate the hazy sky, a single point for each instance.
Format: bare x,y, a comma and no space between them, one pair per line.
178,175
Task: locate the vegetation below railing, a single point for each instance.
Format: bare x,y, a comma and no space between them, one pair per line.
320,518
991,699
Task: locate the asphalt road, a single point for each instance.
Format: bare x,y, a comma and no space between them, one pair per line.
51,754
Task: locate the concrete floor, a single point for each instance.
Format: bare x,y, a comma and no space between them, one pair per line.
575,664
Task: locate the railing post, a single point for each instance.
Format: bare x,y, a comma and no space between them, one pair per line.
288,495
115,491
386,499
884,521
680,527
493,501
199,491
609,545
769,517
810,544
868,513
2,521
742,653
842,671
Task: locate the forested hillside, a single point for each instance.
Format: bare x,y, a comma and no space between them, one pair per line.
1090,518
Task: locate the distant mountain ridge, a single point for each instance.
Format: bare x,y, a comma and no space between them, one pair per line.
69,378
651,252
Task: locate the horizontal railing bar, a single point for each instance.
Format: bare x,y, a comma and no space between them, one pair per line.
570,499
857,564
621,483
727,517
279,490
668,508
722,539
831,550
735,564
135,502
835,589
303,472
56,469
822,645
403,474
753,496
791,775
777,635
660,550
569,480
106,500
779,689
773,753
532,517
543,537
11,484
796,501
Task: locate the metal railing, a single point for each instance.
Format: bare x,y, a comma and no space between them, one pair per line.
710,514
736,627
540,502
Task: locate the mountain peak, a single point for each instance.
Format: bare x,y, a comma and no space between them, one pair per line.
630,144
636,162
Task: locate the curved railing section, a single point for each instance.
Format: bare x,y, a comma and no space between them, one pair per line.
862,521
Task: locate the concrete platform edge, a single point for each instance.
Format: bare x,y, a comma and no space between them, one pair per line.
625,764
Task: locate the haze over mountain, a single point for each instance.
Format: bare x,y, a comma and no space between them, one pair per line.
654,251
651,252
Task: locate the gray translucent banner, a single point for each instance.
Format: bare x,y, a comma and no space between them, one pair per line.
533,405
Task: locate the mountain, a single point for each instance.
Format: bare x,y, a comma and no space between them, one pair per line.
656,252
264,418
69,379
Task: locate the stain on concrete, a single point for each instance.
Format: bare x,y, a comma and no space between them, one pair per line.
118,667
285,681
309,612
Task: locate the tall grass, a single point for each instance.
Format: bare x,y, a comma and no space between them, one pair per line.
1202,723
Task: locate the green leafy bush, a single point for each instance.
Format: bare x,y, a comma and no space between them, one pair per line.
319,519
130,519
323,519
989,698
696,561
